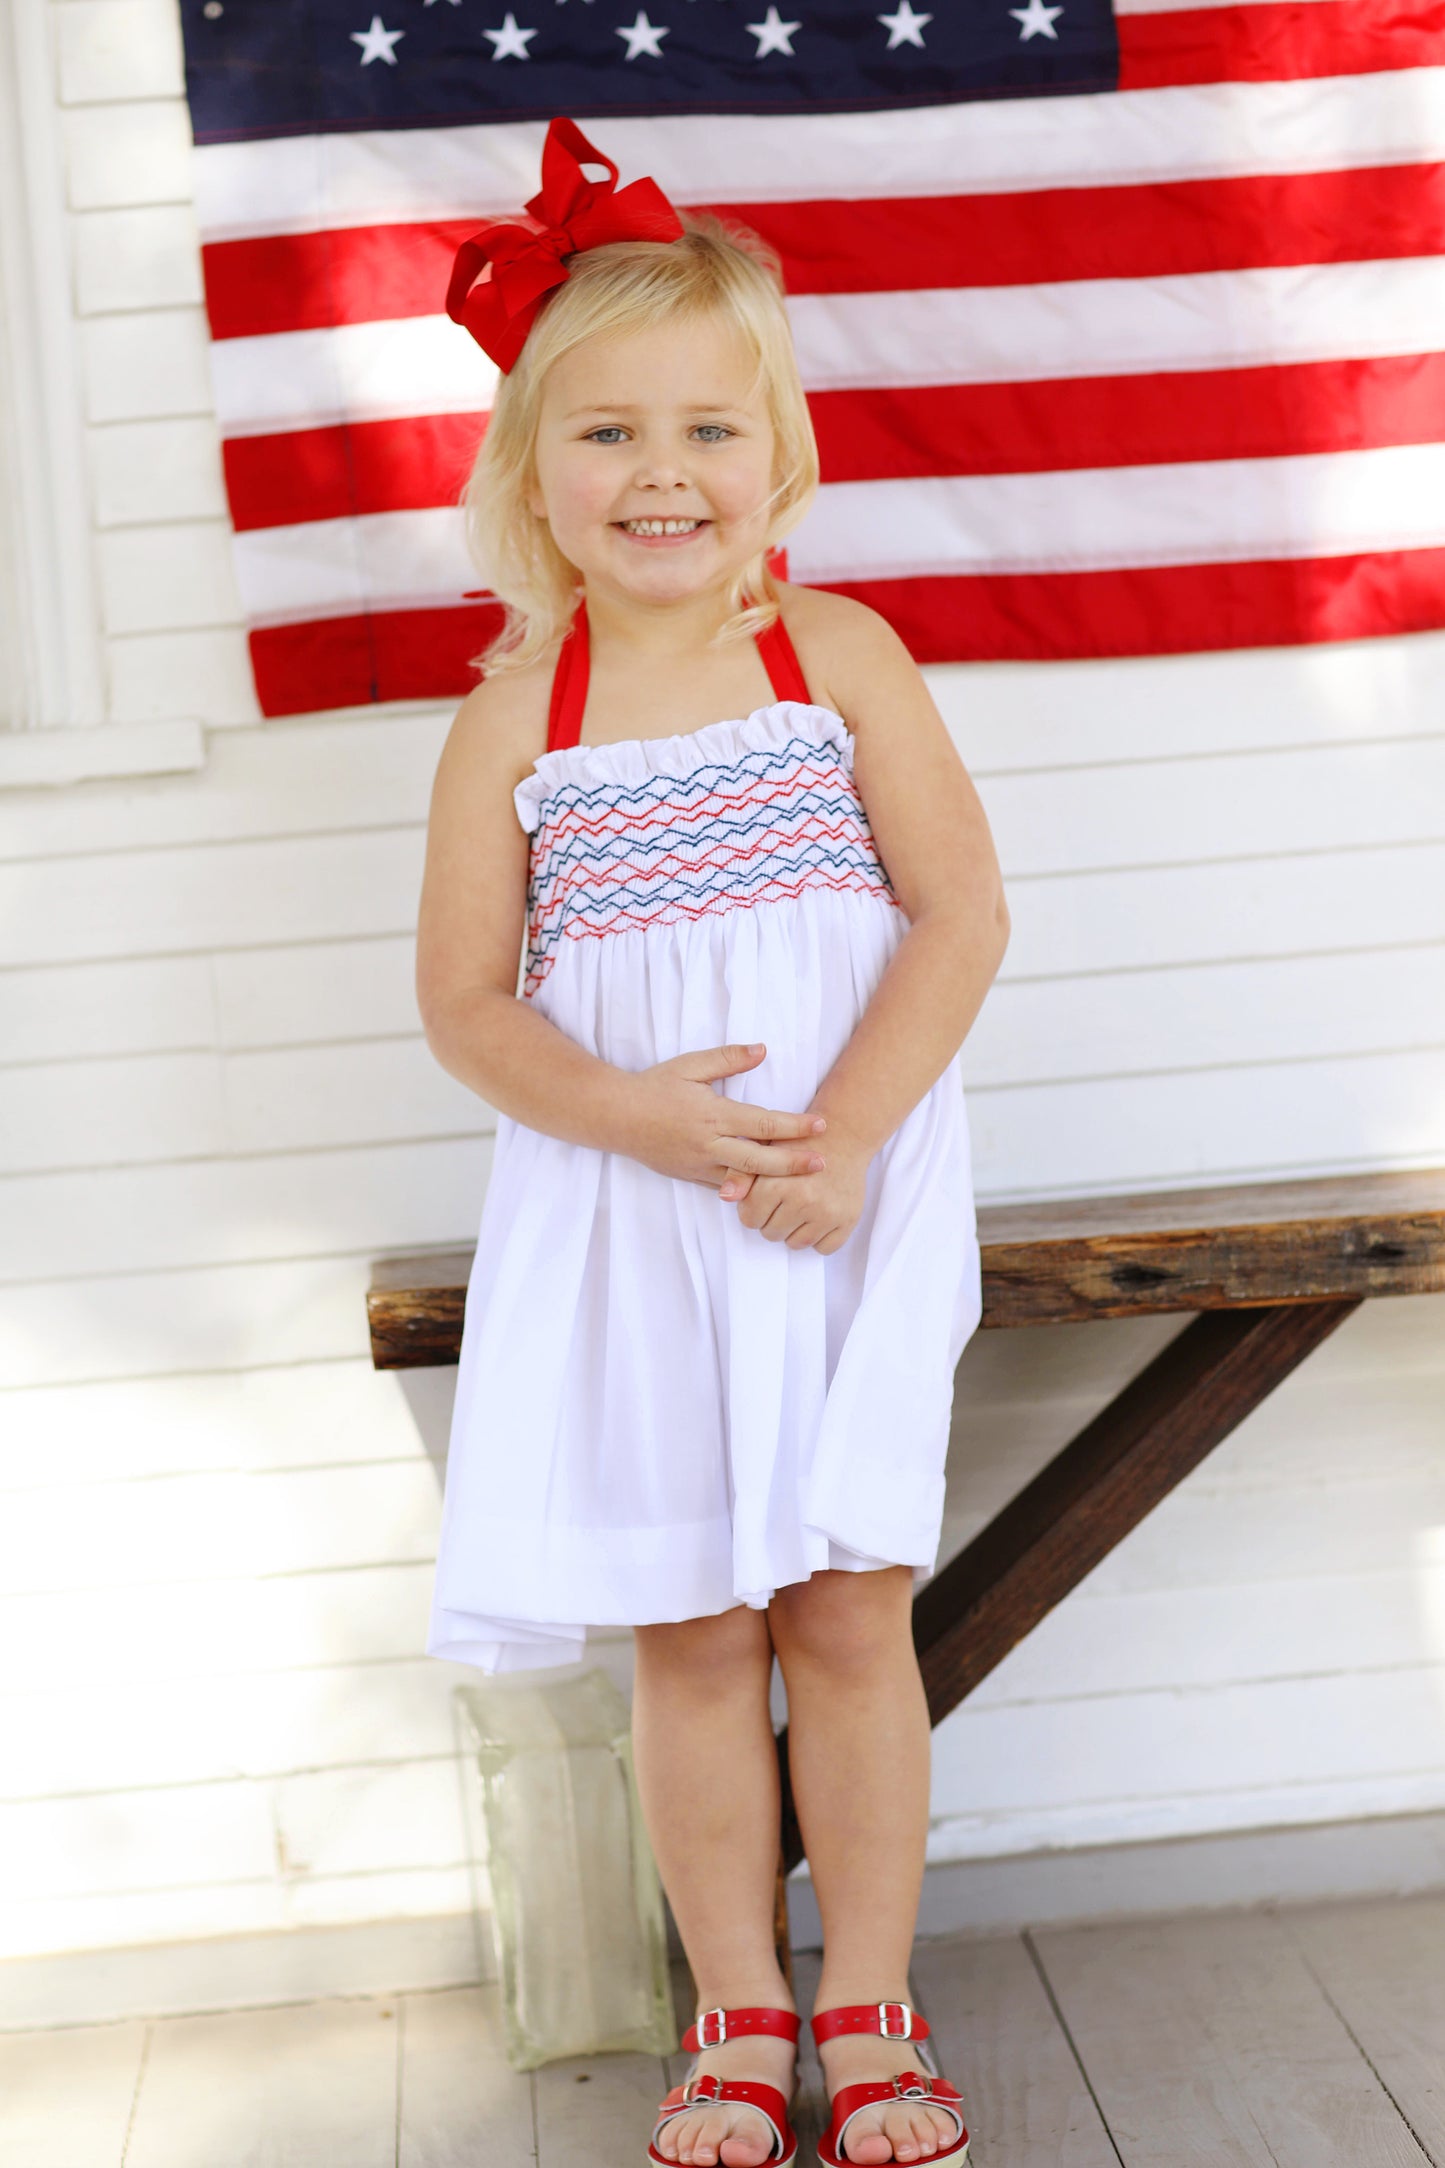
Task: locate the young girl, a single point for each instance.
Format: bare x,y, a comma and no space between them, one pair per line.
727,1259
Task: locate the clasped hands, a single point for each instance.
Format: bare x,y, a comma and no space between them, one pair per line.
772,1165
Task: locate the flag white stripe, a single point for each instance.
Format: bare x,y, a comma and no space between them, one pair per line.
1318,505
952,335
307,184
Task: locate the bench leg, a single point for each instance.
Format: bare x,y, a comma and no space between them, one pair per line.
1102,1485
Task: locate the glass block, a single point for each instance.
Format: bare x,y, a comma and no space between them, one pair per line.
576,1904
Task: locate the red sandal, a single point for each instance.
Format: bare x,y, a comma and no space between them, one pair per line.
708,2030
894,2021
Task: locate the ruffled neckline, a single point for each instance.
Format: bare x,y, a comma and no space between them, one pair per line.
630,761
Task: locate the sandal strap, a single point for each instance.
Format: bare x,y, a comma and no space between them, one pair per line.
710,2028
751,2093
851,2100
893,2020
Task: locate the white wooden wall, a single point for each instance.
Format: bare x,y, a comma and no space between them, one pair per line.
1227,879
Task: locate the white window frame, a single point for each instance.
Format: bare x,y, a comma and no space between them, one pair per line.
52,672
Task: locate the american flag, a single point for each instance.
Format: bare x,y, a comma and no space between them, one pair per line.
1123,333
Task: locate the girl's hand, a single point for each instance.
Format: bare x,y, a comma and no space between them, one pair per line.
678,1125
809,1211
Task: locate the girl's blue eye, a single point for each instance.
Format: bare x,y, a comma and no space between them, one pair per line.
612,430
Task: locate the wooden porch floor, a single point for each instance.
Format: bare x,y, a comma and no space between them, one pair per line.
1300,2038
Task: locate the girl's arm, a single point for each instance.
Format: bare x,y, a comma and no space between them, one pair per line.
933,837
470,929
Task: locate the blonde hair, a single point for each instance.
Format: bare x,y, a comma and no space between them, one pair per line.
619,288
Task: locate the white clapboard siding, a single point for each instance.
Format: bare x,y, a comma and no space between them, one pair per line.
137,152
205,672
136,259
322,776
1281,1735
328,1822
263,1421
144,470
1229,1124
164,1732
1141,707
275,997
117,49
181,1106
208,1214
202,673
160,576
102,1919
143,902
179,1529
146,365
79,1012
1202,1538
366,1615
225,1317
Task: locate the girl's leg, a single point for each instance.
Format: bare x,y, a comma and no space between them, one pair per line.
707,1772
859,1759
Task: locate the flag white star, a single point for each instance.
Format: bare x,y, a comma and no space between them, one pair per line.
773,36
643,37
1035,18
377,42
510,42
905,28
455,3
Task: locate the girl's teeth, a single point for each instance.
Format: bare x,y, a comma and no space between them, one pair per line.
661,526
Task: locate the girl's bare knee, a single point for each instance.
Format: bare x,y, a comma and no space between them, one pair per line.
721,1647
844,1622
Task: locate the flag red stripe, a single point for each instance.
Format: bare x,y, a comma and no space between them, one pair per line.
364,274
1162,609
1173,609
410,465
1329,406
1270,41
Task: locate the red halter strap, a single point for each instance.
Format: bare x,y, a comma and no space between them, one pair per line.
569,681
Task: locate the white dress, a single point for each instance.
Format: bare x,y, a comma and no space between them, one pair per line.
659,1413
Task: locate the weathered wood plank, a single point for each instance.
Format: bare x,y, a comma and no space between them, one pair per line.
1118,1468
997,2037
66,2095
286,2088
461,2101
596,2108
1215,1248
1340,1238
1383,1967
1209,2045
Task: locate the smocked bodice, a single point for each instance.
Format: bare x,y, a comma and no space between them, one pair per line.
648,832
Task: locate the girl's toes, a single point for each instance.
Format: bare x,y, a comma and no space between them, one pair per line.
866,2142
748,2147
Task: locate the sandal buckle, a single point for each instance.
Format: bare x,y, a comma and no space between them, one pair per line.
911,2085
711,2040
704,2088
903,2031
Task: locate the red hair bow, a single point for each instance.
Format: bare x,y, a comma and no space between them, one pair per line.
574,214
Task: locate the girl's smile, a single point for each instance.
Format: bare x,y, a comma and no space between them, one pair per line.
662,534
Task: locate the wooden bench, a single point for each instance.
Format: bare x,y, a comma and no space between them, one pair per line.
1271,1269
